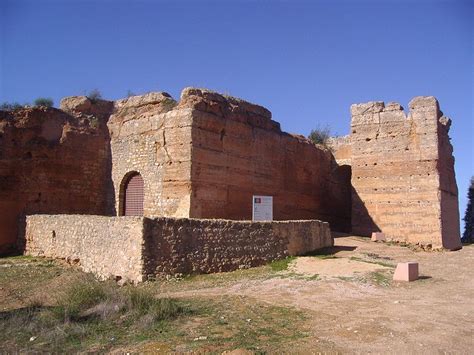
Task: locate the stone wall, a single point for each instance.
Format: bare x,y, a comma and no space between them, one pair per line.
403,173
191,246
238,151
137,248
149,135
50,162
105,246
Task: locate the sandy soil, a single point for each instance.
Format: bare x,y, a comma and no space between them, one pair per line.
354,307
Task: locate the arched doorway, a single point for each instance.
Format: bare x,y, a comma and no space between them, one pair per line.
132,195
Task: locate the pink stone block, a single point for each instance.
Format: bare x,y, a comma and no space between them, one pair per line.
406,271
378,237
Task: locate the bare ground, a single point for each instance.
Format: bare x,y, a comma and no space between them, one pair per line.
353,306
343,301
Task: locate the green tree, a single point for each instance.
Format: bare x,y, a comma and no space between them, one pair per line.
468,235
44,101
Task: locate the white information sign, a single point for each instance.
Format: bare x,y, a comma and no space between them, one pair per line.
262,208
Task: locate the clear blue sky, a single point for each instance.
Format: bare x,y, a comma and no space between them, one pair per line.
307,61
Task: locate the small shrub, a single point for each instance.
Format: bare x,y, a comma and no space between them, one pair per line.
168,104
143,302
43,101
130,93
320,135
10,106
90,315
78,298
93,299
94,95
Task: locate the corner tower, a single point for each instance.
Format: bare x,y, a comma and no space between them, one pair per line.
403,173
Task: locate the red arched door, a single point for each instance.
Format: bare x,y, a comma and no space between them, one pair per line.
133,197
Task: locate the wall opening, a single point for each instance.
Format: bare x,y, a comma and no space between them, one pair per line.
132,194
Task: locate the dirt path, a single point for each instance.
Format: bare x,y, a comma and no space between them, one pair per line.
353,306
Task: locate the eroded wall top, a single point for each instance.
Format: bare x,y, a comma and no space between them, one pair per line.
403,173
50,162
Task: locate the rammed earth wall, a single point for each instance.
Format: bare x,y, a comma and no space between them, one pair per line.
51,161
137,248
403,173
153,138
239,151
206,155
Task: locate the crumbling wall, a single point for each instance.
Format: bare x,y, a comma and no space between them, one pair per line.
238,151
149,135
50,162
138,248
403,173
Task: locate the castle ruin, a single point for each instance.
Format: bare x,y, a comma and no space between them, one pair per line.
204,157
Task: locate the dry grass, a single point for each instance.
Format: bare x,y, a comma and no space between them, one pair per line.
61,310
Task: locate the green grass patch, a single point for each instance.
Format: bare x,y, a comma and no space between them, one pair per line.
282,264
347,278
314,277
380,278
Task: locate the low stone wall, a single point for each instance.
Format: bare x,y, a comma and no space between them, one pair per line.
204,246
105,246
137,248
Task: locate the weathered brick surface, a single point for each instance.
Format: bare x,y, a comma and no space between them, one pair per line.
403,173
50,162
136,248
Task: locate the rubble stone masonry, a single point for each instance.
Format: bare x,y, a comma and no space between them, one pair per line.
136,248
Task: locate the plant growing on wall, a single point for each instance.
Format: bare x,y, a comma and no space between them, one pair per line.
44,101
10,106
168,104
320,135
94,95
468,235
